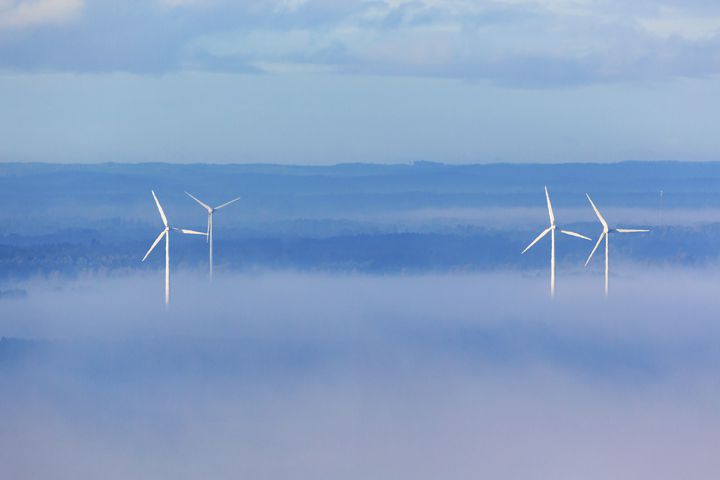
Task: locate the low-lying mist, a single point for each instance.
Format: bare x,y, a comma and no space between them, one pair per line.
296,375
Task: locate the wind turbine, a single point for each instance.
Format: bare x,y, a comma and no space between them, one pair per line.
166,233
551,230
606,231
210,211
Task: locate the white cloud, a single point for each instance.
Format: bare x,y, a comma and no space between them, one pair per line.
186,3
27,13
674,22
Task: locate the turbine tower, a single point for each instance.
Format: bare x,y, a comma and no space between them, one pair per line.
210,211
551,230
166,233
606,231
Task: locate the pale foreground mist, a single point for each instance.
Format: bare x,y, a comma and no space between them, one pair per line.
288,375
523,217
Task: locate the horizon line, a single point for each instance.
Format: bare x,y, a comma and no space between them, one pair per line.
413,163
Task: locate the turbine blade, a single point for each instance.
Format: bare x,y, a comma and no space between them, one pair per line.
207,207
162,214
574,234
596,246
537,239
630,230
597,212
189,232
227,203
550,210
157,240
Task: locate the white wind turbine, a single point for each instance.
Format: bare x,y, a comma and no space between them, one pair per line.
210,211
551,230
606,231
166,233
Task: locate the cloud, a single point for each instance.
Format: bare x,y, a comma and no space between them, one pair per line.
27,13
517,43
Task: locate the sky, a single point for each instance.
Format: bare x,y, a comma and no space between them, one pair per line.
324,82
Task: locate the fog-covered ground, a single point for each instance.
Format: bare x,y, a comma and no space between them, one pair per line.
295,375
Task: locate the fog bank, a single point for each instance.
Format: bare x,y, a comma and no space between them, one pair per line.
288,375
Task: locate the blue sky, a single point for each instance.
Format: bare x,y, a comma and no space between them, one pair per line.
321,81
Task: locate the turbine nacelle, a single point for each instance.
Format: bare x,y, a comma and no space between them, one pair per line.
551,229
207,207
165,233
210,210
607,230
605,235
553,226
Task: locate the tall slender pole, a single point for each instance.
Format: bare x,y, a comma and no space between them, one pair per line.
210,234
607,263
552,263
167,269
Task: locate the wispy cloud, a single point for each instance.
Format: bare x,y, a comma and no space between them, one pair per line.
28,13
